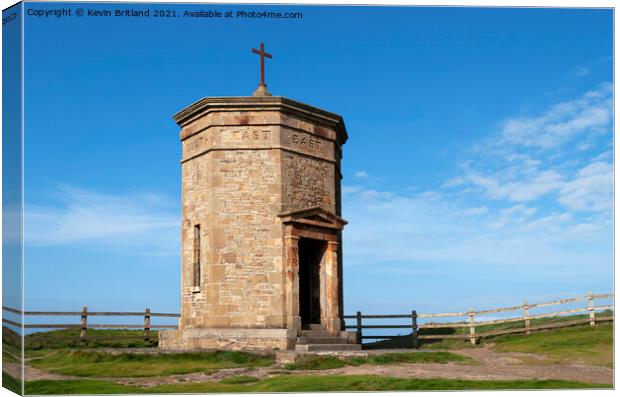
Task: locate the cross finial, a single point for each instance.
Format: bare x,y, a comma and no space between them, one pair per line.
262,87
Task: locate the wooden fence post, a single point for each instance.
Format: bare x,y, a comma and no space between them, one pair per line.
526,316
591,309
359,327
147,325
414,328
472,327
84,324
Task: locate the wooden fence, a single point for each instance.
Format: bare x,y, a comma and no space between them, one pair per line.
470,322
84,325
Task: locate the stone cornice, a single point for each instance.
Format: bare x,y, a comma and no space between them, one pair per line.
315,216
285,105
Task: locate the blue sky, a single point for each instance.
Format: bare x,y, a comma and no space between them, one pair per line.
478,170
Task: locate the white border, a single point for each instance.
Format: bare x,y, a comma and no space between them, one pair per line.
457,3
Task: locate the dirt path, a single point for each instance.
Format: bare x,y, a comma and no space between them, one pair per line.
490,365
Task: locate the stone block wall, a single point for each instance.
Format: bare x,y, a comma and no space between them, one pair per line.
243,164
235,197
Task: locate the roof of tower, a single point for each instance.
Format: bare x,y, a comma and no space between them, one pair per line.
244,103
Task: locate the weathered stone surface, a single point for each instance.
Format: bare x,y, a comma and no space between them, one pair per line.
228,339
246,161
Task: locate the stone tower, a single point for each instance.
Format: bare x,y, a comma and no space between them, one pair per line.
261,226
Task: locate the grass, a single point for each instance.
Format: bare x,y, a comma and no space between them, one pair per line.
315,363
418,358
11,342
10,358
95,364
96,338
294,383
9,382
329,362
454,344
239,380
582,344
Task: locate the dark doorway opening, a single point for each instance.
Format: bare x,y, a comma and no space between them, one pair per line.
310,258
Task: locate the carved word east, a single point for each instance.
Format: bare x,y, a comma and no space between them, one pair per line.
303,141
247,135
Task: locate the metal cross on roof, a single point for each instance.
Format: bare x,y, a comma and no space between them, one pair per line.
262,87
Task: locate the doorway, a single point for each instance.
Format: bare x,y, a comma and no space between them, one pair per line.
311,254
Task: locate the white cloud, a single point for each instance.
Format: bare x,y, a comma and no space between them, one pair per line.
143,223
385,227
362,175
534,193
528,185
591,189
536,157
581,71
590,113
476,211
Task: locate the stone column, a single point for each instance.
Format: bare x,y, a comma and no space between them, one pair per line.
293,320
332,293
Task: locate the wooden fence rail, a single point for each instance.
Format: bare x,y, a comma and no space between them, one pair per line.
84,324
469,323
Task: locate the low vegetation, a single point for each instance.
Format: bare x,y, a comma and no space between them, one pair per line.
455,344
316,363
11,342
582,344
296,383
11,383
96,338
329,362
239,380
50,352
99,364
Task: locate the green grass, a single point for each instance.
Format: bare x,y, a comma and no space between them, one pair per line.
239,380
300,384
418,358
9,382
581,344
10,358
80,363
329,362
95,338
316,363
11,341
453,344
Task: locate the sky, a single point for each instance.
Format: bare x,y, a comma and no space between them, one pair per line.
478,171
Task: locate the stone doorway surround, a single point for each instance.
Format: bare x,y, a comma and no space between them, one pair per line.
318,224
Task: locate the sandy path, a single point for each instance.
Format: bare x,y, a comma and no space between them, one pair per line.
489,365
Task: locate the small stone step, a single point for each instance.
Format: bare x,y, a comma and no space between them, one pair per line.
315,340
316,327
315,333
327,347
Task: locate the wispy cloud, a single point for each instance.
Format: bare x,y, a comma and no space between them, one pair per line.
590,189
362,174
139,223
591,113
580,71
528,196
562,154
388,227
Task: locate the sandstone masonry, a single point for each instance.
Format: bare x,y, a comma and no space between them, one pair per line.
261,226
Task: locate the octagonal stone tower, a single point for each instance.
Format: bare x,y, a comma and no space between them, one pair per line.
261,225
